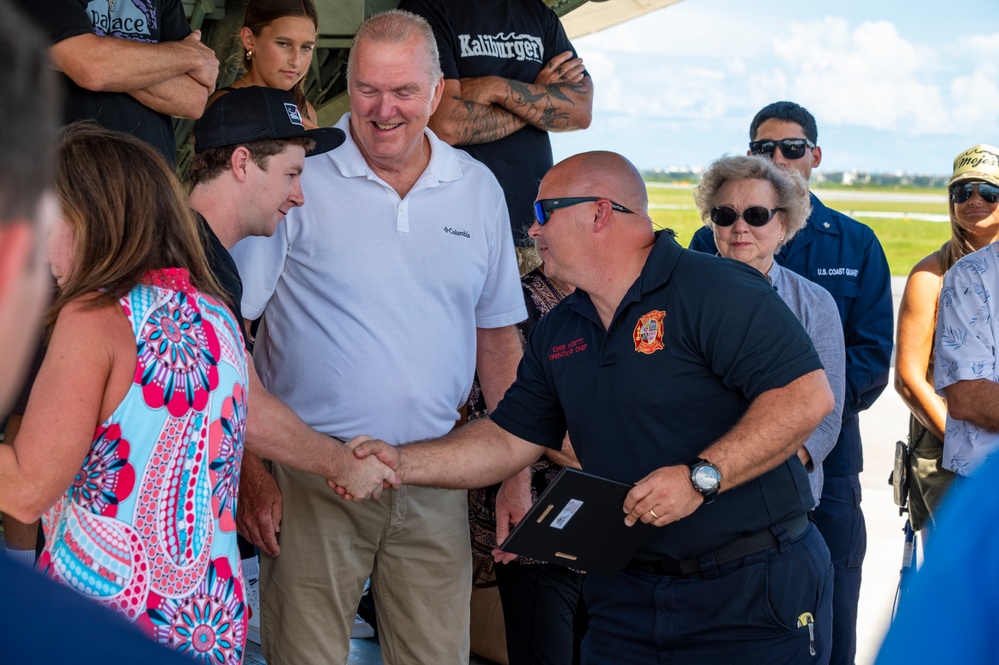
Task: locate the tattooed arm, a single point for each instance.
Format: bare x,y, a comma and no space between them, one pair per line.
487,108
559,100
458,121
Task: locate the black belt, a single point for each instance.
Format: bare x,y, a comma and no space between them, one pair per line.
738,548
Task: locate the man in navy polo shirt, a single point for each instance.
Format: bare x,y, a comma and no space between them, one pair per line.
688,377
844,257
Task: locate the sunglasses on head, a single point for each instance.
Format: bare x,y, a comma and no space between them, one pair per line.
543,208
790,148
754,215
962,192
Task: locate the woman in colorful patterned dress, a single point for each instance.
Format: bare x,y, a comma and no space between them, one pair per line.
131,444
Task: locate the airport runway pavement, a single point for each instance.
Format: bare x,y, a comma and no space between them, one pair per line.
881,426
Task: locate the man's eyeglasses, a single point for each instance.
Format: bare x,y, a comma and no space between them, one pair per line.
754,215
962,192
790,148
543,208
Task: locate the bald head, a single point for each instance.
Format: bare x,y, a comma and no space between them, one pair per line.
605,174
598,242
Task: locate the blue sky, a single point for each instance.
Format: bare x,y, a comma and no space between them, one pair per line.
894,86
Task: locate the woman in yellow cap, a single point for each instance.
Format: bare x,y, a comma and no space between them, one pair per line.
974,223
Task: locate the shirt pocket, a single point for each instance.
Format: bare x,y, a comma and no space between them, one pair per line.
841,287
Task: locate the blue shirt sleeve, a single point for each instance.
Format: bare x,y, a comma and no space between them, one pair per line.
703,241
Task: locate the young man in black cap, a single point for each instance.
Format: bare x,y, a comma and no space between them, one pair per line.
250,149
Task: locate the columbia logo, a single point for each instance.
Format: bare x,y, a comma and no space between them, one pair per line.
456,232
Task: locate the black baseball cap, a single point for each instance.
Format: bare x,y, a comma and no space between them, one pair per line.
256,113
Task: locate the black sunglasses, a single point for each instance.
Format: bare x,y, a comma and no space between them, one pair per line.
790,148
543,207
754,215
962,192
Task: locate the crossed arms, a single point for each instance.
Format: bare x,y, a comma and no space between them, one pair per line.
173,78
487,108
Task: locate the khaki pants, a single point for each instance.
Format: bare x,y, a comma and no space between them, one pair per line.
414,544
928,479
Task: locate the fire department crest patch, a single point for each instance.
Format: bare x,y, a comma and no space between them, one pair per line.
649,332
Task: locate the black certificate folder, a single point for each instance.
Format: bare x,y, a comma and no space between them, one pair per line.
579,522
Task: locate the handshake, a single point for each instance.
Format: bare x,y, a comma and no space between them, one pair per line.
365,469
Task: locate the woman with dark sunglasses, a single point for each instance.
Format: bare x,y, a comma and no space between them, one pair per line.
754,208
974,223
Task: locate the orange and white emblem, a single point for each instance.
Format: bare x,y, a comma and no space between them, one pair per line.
649,332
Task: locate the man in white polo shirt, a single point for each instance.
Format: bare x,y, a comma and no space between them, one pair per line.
379,298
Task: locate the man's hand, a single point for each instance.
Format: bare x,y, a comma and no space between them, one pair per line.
662,497
512,502
387,454
563,68
484,90
258,513
206,68
362,478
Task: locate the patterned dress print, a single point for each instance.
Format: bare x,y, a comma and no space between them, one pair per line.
148,526
106,476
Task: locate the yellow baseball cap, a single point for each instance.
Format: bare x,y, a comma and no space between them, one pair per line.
978,163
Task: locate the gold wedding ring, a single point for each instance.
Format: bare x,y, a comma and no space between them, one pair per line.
653,513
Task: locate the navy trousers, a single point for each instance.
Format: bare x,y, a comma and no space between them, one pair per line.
744,611
841,523
539,607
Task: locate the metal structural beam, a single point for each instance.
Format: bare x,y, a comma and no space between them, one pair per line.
326,85
585,18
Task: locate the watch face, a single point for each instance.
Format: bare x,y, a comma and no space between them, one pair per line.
706,477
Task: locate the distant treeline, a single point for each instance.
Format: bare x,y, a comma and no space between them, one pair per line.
858,179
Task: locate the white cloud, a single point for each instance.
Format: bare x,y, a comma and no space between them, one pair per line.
692,75
984,46
868,76
736,66
976,98
684,29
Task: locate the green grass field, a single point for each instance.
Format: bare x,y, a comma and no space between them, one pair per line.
905,241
